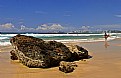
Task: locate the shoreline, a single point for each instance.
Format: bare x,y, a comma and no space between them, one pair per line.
105,63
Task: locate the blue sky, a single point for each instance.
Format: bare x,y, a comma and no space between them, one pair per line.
68,13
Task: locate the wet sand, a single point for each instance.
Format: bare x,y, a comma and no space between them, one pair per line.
105,63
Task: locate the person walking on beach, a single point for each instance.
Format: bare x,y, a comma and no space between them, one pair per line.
106,37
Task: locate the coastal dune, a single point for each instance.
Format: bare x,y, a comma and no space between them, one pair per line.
105,63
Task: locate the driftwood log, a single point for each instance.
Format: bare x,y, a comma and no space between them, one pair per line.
35,52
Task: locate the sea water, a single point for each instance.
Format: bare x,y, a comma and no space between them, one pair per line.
64,38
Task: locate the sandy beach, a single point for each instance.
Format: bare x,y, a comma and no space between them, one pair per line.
105,63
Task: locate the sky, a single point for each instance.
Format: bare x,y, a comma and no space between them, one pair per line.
59,14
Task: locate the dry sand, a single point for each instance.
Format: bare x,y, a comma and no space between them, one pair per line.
105,63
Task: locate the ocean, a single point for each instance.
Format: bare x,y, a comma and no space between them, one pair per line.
64,38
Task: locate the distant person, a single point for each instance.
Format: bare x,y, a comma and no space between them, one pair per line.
106,37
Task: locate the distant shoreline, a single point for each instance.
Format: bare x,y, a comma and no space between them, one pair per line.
42,33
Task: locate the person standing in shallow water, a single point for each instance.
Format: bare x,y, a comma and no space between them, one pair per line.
106,37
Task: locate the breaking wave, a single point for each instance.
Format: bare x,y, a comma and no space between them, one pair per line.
64,38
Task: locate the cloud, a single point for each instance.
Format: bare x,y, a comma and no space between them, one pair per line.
44,27
50,27
24,28
56,27
118,16
7,26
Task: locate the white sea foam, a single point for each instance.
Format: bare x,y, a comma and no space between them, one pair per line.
60,34
4,37
11,35
1,38
8,35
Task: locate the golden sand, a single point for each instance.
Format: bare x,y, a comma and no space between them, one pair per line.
105,63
